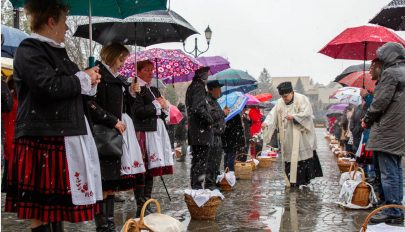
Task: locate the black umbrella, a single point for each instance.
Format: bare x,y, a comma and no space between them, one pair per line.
392,16
160,26
352,69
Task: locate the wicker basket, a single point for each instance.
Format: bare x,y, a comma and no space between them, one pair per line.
243,170
137,225
207,212
223,184
264,162
364,226
253,165
178,152
344,165
362,192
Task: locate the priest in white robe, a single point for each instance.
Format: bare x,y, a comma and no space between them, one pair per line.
293,117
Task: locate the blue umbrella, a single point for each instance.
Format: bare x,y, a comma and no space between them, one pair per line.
241,88
11,39
233,77
235,101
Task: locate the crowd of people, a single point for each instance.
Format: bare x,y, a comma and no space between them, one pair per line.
75,138
374,131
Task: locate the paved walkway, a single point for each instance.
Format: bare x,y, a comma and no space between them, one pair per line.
262,204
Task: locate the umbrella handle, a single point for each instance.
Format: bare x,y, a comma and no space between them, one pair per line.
91,58
157,75
364,64
92,61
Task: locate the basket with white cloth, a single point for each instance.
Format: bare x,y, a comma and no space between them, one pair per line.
155,222
357,194
203,203
226,180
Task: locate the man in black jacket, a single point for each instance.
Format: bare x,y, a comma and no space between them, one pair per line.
200,134
218,127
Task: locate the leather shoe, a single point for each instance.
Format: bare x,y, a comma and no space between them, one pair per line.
383,218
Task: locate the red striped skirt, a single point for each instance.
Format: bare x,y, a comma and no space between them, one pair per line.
38,185
168,170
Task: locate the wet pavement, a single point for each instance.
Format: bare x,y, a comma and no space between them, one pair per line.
260,204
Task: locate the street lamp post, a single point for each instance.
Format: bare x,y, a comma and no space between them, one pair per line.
196,51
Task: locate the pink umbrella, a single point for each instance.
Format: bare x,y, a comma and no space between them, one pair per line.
175,116
252,100
171,65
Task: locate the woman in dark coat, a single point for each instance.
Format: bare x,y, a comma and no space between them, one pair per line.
50,114
150,110
107,108
233,139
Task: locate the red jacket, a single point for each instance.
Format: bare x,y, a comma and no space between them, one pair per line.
256,118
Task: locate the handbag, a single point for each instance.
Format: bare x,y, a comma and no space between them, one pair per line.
108,141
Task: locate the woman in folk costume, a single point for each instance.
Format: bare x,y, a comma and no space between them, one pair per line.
150,110
54,174
293,115
110,109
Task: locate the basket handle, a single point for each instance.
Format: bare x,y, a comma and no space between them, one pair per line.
226,170
130,223
351,167
364,226
363,175
144,208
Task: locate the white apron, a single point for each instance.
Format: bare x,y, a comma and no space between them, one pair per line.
131,160
158,147
84,168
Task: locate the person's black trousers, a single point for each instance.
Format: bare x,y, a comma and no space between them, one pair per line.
198,165
213,165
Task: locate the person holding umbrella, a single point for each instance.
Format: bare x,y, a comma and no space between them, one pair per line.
110,109
149,113
200,133
218,127
385,117
50,126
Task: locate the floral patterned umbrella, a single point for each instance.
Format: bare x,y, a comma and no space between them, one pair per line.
349,95
171,65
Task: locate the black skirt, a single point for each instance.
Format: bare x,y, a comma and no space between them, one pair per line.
307,170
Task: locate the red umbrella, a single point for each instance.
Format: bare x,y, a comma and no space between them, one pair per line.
263,97
360,43
355,79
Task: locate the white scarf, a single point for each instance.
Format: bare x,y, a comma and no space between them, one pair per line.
131,160
84,168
